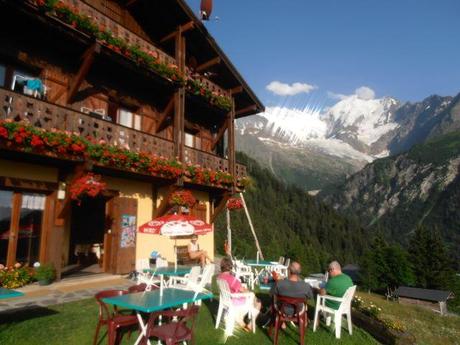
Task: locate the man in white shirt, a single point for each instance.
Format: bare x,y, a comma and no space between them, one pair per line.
195,253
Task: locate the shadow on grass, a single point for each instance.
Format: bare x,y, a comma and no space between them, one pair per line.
24,314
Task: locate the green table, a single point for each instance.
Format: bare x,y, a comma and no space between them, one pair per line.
260,263
151,301
7,293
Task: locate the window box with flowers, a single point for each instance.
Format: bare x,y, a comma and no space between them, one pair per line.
196,87
15,276
367,316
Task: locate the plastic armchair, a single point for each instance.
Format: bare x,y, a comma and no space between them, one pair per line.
146,277
111,318
187,282
179,329
243,271
226,304
287,309
344,309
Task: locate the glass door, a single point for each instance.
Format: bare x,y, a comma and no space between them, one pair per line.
6,203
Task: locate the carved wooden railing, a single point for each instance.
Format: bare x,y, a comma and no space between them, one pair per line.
212,86
240,170
49,116
205,159
18,107
117,30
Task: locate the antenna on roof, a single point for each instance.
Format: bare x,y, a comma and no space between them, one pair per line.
206,9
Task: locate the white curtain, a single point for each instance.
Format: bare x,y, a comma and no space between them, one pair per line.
33,201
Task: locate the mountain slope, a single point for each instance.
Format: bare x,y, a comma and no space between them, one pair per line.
289,222
396,194
312,148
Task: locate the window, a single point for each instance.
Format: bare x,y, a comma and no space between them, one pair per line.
2,75
24,240
129,119
6,200
19,81
192,140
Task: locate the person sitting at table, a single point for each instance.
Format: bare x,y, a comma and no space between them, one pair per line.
336,285
235,286
292,286
194,251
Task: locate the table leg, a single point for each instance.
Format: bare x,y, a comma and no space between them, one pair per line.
161,284
143,328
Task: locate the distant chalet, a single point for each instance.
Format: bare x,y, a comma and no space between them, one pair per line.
432,299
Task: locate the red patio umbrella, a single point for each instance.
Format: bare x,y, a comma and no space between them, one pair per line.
176,225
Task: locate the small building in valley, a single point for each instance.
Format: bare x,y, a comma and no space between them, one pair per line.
433,299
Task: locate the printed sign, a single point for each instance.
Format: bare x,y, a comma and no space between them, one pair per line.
128,231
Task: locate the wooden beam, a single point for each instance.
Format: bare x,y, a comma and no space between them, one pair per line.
88,58
14,229
220,206
208,64
236,90
165,114
219,135
231,144
245,110
183,28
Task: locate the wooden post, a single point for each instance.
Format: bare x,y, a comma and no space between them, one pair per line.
14,229
229,232
259,250
179,100
231,142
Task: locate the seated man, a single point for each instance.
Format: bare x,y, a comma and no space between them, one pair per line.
337,284
194,251
292,286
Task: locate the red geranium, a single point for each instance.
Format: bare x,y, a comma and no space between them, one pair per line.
88,185
3,132
234,204
182,198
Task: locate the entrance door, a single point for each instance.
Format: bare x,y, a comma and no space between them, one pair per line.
121,239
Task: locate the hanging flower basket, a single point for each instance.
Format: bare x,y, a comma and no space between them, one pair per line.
182,198
89,185
234,204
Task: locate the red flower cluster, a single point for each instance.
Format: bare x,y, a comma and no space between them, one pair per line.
201,175
182,198
88,185
234,204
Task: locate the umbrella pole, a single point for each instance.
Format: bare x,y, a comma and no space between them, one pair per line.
229,234
251,226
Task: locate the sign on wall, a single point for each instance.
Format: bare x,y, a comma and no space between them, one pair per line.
128,231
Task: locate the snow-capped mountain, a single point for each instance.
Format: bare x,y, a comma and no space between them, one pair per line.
335,142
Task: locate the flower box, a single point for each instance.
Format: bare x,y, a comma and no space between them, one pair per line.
380,331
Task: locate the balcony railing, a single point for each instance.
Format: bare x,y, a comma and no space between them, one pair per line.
18,107
117,30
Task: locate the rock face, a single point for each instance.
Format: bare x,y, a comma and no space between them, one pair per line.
313,148
398,193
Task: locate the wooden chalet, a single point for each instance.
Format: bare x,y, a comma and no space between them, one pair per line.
435,300
135,91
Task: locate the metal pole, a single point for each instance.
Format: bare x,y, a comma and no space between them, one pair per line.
229,233
251,226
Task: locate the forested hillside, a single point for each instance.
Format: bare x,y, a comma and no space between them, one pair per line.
398,194
290,222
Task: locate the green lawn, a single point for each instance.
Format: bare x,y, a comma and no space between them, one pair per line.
74,323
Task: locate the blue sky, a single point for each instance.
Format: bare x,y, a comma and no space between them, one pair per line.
408,49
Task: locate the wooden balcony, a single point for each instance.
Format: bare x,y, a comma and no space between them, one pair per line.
18,107
117,30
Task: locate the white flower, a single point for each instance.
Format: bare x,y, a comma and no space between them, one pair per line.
36,264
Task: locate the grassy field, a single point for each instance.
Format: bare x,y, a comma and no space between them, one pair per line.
74,323
429,328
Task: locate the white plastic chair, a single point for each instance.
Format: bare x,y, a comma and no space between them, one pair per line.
187,282
243,271
344,309
145,277
281,260
226,303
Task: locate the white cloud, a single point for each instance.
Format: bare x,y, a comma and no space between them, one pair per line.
363,92
338,96
283,89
